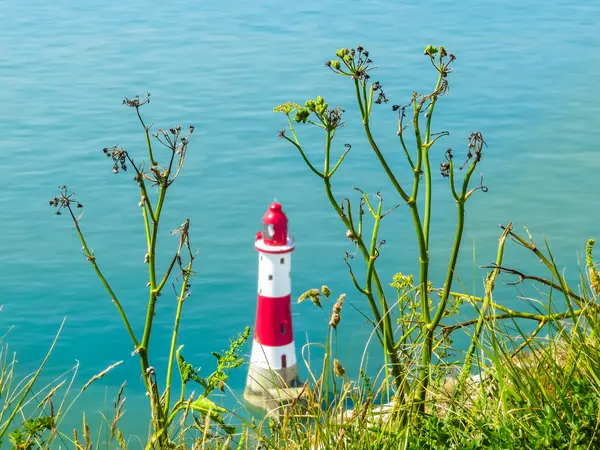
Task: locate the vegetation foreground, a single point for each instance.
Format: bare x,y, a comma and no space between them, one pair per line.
526,379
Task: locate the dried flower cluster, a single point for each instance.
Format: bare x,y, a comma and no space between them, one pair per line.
119,157
445,166
136,102
64,200
475,146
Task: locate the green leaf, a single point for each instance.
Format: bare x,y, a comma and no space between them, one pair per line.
186,370
208,408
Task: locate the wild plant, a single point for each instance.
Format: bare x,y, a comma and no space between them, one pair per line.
356,65
153,180
416,349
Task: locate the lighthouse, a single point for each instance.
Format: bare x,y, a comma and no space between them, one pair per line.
273,359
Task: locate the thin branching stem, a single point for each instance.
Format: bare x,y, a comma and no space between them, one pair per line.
426,165
147,133
384,323
183,294
375,148
432,325
92,259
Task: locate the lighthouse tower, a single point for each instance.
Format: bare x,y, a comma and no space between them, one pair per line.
273,359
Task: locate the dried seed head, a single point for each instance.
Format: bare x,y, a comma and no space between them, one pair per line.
325,291
338,305
313,294
64,200
334,320
445,169
338,368
136,102
119,158
594,280
337,308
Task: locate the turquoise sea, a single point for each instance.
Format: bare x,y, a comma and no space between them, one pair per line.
527,75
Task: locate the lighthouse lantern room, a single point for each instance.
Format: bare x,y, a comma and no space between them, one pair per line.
273,359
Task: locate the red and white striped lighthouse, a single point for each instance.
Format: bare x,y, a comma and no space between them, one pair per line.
273,359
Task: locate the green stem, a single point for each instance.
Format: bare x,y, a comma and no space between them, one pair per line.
406,153
147,133
375,148
359,99
540,280
452,186
304,157
373,254
153,296
431,326
373,251
423,246
426,166
152,270
455,249
180,301
167,273
531,246
411,201
423,249
384,323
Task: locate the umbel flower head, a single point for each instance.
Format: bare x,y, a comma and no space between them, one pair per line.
355,63
352,62
287,107
328,118
64,200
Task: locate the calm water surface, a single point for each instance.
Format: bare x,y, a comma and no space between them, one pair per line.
526,75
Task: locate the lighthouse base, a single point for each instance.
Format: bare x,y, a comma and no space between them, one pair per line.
268,388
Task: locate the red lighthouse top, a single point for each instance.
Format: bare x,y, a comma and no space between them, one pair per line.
274,237
275,226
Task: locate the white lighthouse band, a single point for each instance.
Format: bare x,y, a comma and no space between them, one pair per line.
267,357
